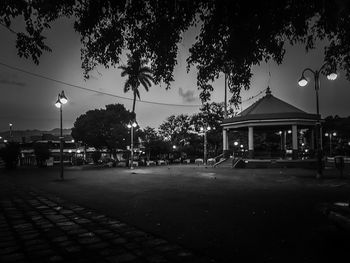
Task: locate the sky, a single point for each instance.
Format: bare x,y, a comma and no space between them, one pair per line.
27,101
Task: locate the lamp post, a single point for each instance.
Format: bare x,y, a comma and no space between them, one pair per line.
281,140
10,125
330,135
204,130
62,99
131,126
303,82
225,96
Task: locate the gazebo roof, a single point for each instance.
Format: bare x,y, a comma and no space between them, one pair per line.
270,108
269,104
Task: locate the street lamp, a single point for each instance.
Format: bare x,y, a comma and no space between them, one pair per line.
281,140
62,99
225,96
330,135
10,125
303,82
131,126
204,130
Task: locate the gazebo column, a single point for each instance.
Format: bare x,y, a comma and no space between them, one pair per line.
295,141
251,141
321,132
225,143
312,142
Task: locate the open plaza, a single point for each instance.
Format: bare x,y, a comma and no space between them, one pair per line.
201,214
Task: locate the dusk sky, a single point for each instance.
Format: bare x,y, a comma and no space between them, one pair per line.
28,101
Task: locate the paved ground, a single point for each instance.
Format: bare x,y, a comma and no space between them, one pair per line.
263,215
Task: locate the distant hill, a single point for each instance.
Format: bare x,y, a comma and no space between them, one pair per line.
27,134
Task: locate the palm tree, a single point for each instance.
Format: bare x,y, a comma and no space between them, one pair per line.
138,74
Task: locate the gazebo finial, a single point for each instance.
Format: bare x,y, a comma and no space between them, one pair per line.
268,91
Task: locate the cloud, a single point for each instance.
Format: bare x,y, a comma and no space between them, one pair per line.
187,96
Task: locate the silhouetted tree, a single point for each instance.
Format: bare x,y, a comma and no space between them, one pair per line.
96,156
103,127
138,74
234,35
154,144
42,153
10,154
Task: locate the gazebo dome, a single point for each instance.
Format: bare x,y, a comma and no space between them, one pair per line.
271,108
269,113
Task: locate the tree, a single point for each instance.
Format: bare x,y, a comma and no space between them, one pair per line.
234,35
153,143
42,153
96,156
10,154
103,127
184,130
176,128
138,74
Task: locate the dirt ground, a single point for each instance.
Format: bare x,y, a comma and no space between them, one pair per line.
232,215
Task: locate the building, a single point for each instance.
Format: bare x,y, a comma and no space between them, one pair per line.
286,131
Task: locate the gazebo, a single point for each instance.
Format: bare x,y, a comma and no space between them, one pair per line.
275,115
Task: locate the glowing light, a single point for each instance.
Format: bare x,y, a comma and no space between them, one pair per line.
58,103
302,82
332,76
63,98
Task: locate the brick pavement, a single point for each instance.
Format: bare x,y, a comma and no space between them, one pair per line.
37,227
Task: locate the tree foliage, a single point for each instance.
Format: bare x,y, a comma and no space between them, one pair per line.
10,154
185,133
153,143
103,127
234,35
42,153
138,74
